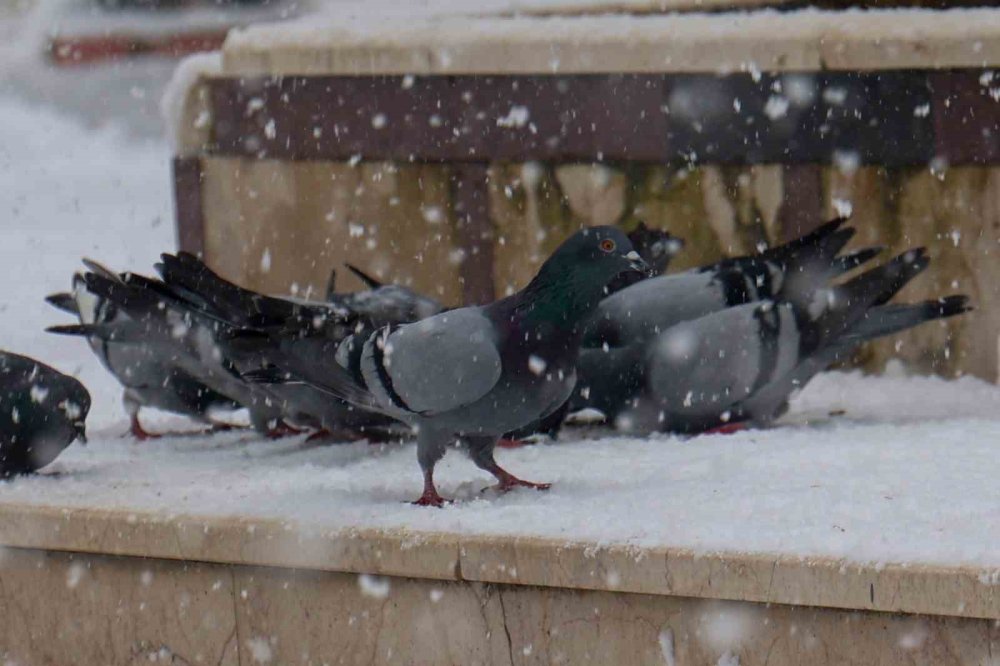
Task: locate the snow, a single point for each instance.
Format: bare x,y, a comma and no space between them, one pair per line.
70,193
187,74
450,23
376,587
871,469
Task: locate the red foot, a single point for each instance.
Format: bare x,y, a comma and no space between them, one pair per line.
336,435
511,443
221,427
508,482
136,430
282,429
727,429
319,435
431,498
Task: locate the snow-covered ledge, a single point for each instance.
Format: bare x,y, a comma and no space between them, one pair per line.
868,535
763,40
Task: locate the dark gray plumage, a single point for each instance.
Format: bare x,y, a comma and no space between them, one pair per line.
142,325
472,374
148,379
42,411
318,325
656,246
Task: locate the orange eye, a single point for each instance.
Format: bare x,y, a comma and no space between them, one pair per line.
608,245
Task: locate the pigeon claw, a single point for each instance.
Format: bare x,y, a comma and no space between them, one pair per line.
509,482
282,429
431,499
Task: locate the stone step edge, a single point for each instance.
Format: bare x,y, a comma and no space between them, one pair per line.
960,591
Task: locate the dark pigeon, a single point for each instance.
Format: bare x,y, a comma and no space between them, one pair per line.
149,380
740,364
473,373
42,411
321,324
656,247
150,324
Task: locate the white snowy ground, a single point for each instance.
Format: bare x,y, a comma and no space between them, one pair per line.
909,472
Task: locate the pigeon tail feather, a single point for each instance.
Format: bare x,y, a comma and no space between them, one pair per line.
369,281
889,319
63,301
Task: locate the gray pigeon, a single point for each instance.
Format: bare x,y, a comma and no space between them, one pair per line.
148,380
154,325
327,323
382,304
740,364
42,411
168,343
650,306
473,373
637,310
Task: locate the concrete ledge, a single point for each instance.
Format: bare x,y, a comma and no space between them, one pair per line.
756,577
115,610
806,40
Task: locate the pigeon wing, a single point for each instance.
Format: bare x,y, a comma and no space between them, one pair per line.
434,365
705,365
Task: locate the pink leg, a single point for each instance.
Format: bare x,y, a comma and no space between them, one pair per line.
430,496
137,431
505,443
508,481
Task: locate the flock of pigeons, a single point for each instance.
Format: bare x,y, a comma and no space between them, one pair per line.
600,326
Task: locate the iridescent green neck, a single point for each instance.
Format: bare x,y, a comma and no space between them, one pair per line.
559,299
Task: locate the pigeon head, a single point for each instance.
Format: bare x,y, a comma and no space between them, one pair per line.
656,246
574,279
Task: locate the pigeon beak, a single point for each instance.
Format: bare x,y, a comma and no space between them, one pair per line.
636,263
81,432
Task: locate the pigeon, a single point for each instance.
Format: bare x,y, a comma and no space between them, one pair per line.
656,247
472,374
385,304
323,323
190,278
653,305
639,309
191,367
141,322
740,364
148,380
42,411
